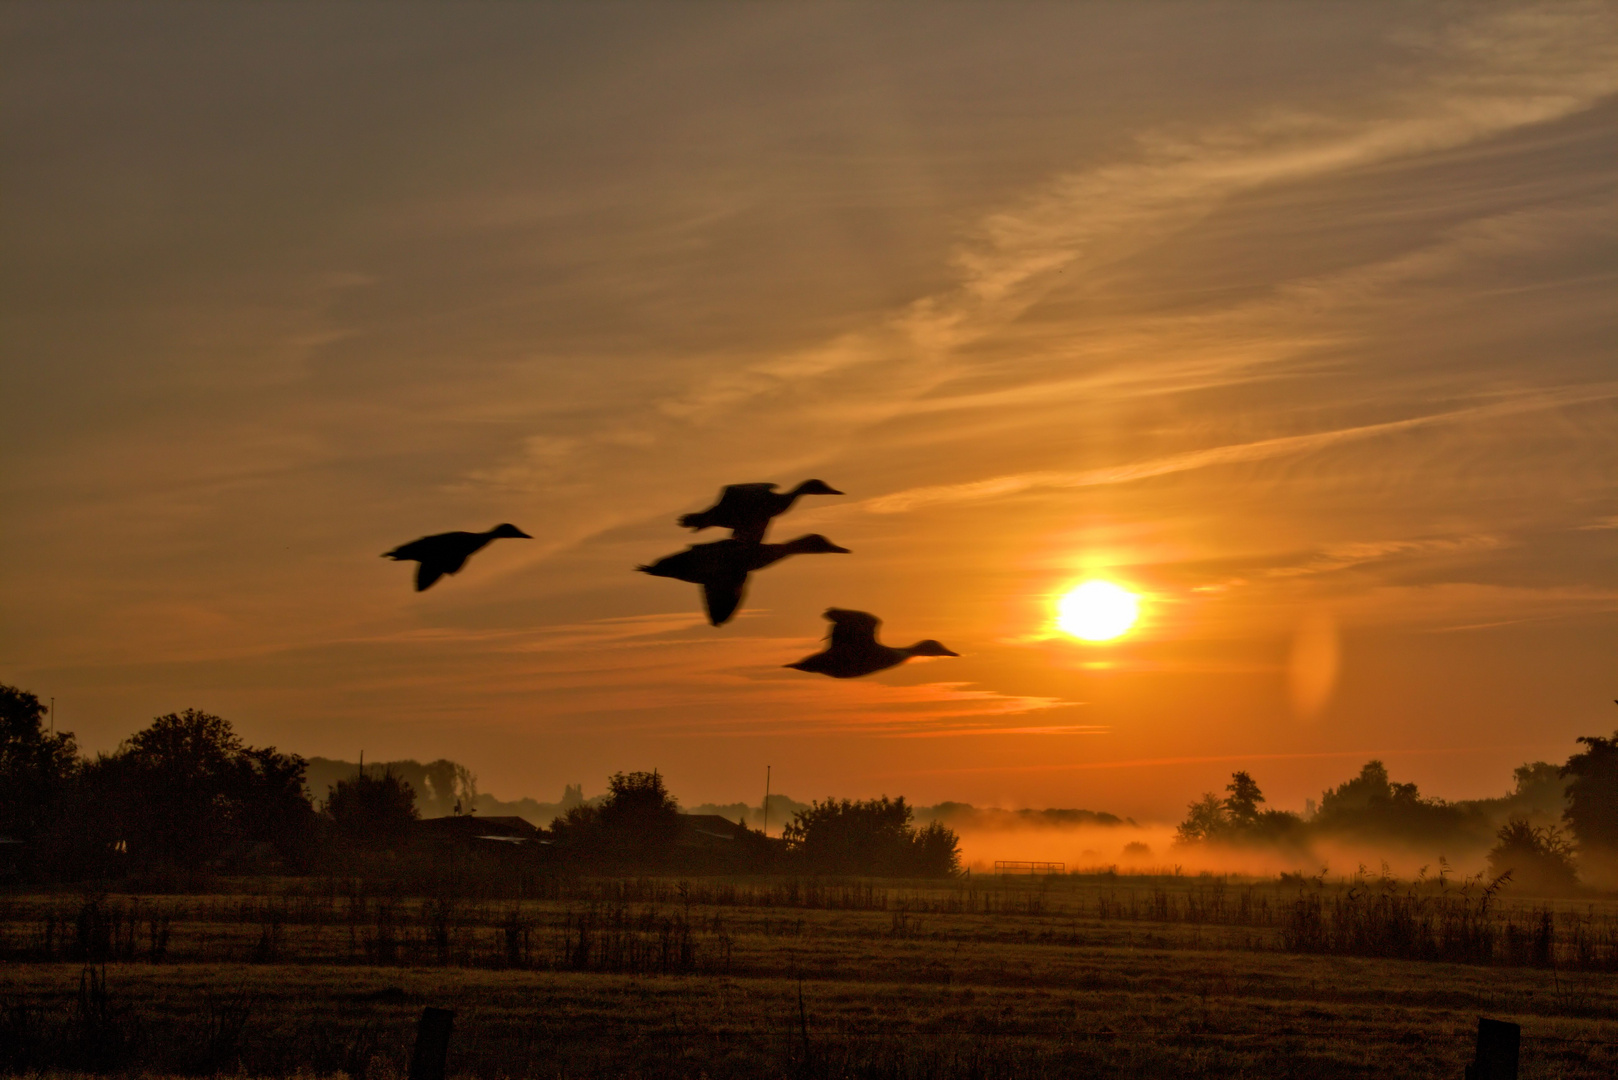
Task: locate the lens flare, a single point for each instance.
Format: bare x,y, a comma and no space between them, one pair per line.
1097,611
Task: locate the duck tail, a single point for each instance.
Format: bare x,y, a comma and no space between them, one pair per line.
694,521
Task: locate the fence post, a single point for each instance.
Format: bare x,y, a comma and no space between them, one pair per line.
432,1044
1498,1043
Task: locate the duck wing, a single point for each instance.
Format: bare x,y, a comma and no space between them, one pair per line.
722,596
745,496
853,630
447,558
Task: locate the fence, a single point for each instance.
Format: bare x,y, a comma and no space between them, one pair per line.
1013,866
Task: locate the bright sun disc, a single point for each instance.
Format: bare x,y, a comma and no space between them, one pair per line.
1097,611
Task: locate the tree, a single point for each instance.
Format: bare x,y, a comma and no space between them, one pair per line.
1242,804
1237,818
35,765
1538,793
874,836
186,791
372,811
936,851
639,820
1205,819
1539,859
176,776
1373,805
1538,780
1592,795
446,787
269,804
635,826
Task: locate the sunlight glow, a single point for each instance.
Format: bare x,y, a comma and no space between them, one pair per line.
1097,611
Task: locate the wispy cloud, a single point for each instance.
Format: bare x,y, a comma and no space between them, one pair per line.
1279,274
1221,759
1258,450
1344,556
1487,74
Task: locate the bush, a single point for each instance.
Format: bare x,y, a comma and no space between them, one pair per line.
874,836
1592,796
372,811
1540,859
634,828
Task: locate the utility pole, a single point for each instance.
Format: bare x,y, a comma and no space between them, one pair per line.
53,714
766,800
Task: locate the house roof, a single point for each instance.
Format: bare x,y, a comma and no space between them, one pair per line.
471,825
707,830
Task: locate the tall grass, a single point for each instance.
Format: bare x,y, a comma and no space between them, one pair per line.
1456,927
660,925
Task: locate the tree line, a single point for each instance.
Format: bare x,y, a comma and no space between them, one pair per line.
187,795
1556,822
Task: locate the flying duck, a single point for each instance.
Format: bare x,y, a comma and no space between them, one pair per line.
852,649
721,568
446,553
746,509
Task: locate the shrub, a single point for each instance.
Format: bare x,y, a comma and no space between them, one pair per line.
372,811
1541,859
873,836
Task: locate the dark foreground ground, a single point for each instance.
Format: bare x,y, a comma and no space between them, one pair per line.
1046,978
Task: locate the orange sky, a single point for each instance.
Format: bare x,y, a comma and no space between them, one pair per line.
1296,319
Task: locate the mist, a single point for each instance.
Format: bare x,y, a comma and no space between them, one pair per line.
1134,848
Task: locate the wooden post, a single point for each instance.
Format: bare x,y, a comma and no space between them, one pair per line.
432,1044
1498,1044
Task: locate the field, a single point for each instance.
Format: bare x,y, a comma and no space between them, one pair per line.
1013,977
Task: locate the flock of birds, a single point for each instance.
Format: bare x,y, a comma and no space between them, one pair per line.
721,568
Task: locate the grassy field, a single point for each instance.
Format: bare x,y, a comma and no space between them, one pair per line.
1012,978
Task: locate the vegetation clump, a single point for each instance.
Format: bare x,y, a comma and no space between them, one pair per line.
1540,857
1592,796
369,811
1528,842
874,836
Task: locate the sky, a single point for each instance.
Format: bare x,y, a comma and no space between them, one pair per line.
1298,321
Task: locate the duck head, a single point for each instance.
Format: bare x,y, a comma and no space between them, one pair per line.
508,530
815,487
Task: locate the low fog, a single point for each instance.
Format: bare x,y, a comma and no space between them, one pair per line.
1131,848
1371,824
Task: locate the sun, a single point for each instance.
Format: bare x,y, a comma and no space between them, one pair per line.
1097,611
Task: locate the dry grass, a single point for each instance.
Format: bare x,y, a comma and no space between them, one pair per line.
1029,978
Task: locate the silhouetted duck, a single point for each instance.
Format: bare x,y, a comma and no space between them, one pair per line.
721,568
746,509
852,649
446,553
